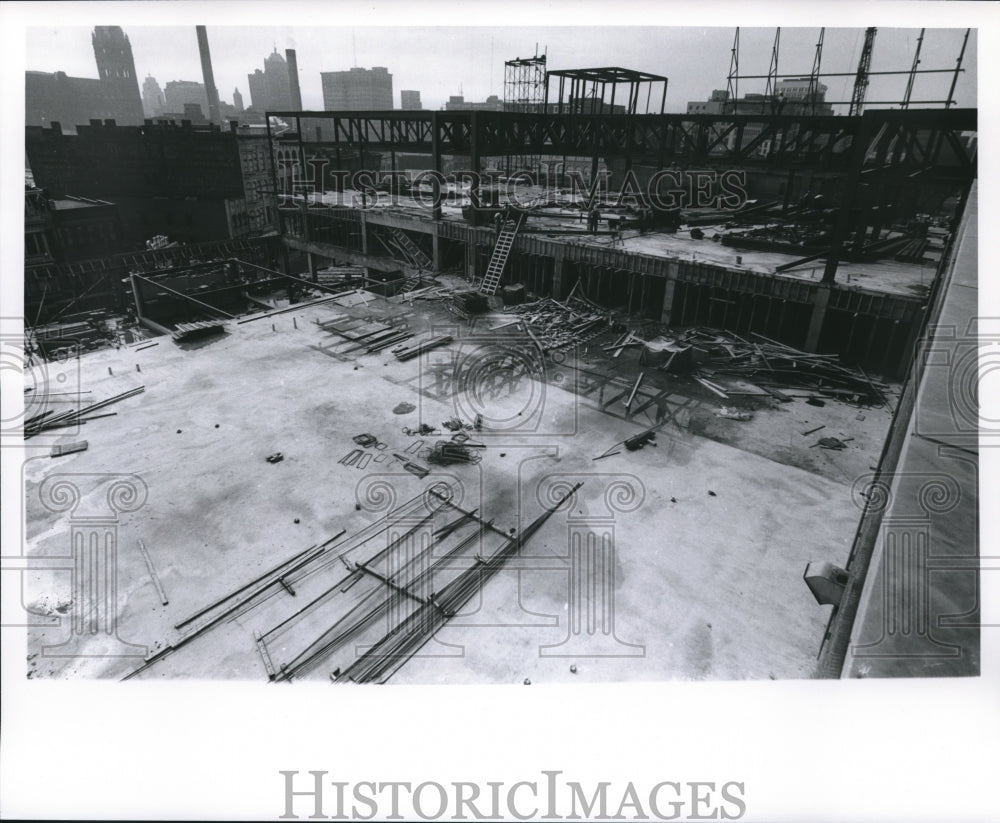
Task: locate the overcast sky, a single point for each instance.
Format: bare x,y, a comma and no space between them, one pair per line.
440,62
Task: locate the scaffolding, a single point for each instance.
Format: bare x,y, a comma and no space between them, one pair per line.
524,91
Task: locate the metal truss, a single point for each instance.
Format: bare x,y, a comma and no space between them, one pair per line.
925,141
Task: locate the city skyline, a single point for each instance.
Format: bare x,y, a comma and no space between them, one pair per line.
473,64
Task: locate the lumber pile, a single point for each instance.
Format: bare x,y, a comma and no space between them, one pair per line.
773,367
409,352
193,331
47,420
557,324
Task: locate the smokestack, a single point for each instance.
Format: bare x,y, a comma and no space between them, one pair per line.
208,76
293,79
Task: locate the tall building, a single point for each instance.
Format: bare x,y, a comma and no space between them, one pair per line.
270,89
357,89
295,92
55,97
237,101
409,100
153,101
182,92
116,69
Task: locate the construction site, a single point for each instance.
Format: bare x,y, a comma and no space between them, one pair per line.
577,391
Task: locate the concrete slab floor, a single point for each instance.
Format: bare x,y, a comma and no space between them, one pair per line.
709,534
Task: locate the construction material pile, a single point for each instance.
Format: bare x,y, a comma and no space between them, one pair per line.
773,366
195,331
556,325
416,349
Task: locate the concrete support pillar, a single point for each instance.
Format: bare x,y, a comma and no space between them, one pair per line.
668,293
436,247
818,316
557,273
470,258
312,265
364,232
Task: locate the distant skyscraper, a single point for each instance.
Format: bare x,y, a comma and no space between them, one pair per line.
153,101
295,93
409,100
269,89
237,101
181,92
357,89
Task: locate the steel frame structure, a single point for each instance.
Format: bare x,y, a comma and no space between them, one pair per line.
861,75
592,84
925,141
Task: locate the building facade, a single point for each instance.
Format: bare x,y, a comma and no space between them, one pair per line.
180,93
185,182
67,229
794,95
55,97
409,100
357,89
458,103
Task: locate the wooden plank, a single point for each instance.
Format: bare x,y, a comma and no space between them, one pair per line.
69,448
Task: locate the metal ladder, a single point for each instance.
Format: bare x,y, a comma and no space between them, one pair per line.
501,251
412,250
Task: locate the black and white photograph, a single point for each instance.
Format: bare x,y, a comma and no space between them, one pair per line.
499,385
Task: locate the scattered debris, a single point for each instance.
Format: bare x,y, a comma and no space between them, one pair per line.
573,668
69,448
423,428
734,414
712,493
813,431
46,421
365,440
277,457
554,325
638,441
403,408
453,424
833,443
445,453
351,457
153,574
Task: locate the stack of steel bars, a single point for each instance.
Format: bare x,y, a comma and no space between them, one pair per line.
46,421
381,661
